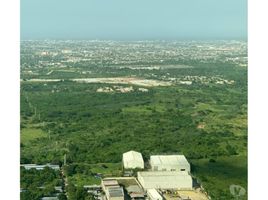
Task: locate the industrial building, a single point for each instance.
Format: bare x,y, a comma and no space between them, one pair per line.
179,180
169,163
132,160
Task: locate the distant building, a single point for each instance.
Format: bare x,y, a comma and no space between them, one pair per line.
49,198
180,180
132,160
143,89
40,167
154,195
169,163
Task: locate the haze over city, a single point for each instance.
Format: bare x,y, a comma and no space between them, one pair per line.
133,20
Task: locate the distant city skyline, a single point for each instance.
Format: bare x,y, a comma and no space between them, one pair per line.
133,19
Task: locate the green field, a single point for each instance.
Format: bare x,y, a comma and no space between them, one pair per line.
30,134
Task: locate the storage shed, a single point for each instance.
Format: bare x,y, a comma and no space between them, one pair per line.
180,180
132,160
169,163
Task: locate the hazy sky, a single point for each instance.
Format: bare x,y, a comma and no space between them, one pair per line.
133,19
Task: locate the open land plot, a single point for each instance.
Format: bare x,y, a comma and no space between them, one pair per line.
82,179
125,80
114,80
217,176
29,134
155,67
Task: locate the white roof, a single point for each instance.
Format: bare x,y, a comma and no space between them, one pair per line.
165,179
163,173
169,160
153,192
133,159
132,155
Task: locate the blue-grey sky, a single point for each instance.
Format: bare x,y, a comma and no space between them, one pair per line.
133,19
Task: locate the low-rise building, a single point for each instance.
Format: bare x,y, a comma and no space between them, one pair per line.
179,180
40,167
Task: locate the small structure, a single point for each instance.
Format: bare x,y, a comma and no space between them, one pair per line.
135,192
115,193
169,163
49,198
92,187
58,189
154,195
107,183
112,189
40,167
143,90
132,160
179,180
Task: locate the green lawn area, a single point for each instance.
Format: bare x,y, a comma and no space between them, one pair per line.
81,180
216,177
107,169
29,134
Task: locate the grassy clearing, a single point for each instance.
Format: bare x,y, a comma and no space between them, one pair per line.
81,180
217,176
107,169
29,134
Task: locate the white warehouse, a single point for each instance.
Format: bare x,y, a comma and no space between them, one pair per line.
132,160
180,180
169,163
